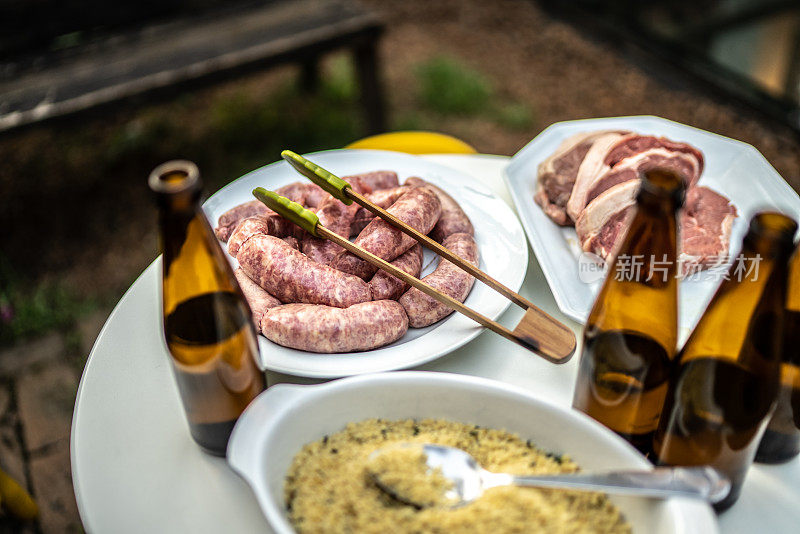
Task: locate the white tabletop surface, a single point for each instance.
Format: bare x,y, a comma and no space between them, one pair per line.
135,467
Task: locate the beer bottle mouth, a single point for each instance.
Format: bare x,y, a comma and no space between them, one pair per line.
174,177
772,222
773,227
662,184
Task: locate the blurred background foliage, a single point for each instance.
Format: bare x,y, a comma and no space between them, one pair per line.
60,180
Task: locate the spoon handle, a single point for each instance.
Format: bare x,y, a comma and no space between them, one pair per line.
701,482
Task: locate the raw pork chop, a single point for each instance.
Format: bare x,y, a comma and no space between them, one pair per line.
612,150
602,225
632,168
556,174
705,229
704,225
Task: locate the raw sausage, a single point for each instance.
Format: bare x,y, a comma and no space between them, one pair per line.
291,276
248,227
252,226
229,220
291,241
309,195
419,208
337,217
317,328
258,299
383,198
423,310
314,195
385,286
375,180
453,219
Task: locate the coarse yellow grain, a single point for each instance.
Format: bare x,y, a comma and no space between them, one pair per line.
403,472
329,490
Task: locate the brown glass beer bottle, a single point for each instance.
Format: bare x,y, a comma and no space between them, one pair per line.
206,319
726,378
781,441
631,334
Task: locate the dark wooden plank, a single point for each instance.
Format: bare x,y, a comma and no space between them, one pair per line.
170,56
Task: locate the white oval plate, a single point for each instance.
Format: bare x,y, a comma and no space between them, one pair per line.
735,169
500,238
281,420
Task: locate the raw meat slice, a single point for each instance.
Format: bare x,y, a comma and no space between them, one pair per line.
601,226
556,175
704,225
611,150
633,144
705,229
592,166
631,168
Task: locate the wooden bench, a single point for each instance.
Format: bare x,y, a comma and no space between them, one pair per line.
57,63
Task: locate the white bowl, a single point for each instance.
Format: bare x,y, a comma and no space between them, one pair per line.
285,417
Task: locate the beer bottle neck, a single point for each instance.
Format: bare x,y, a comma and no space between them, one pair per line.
177,188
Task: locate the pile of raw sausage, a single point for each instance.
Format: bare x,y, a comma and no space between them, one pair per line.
310,294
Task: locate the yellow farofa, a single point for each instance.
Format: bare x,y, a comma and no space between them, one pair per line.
403,471
328,488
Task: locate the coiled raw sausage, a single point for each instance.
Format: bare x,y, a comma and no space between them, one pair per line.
257,298
423,310
383,198
385,286
248,227
419,207
309,195
337,217
326,329
375,180
291,276
453,219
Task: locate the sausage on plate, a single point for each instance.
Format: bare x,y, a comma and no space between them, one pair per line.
337,217
385,286
423,310
453,219
419,207
291,276
382,198
307,194
316,328
375,180
246,228
229,220
257,298
291,241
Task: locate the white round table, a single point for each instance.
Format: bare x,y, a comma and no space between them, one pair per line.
136,469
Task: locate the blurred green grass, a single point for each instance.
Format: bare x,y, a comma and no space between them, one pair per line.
27,310
449,87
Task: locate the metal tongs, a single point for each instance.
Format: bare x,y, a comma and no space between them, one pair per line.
537,331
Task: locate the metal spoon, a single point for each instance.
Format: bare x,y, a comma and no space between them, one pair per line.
469,480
